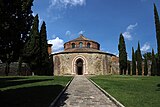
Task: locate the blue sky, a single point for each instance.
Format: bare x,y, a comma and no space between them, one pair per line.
100,20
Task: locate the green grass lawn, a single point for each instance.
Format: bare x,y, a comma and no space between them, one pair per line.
132,91
32,91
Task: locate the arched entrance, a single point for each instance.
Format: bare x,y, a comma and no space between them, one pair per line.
79,67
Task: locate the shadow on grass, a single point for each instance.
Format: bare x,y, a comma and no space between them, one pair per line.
11,78
38,96
6,83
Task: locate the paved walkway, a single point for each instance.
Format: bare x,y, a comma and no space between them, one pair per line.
82,93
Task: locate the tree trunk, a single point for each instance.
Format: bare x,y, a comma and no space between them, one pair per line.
19,65
7,68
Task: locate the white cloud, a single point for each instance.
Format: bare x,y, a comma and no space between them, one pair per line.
33,14
131,27
68,33
117,55
55,17
53,36
66,3
114,53
145,47
81,32
57,44
40,21
128,33
60,6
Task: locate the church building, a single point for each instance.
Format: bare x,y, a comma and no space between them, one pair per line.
82,56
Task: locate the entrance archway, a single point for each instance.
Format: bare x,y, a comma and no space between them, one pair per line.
79,67
82,59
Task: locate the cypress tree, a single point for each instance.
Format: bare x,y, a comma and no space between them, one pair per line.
44,62
135,55
153,65
129,68
139,60
31,51
157,25
122,55
145,65
157,66
148,55
133,63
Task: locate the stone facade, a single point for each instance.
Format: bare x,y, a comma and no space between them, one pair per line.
83,57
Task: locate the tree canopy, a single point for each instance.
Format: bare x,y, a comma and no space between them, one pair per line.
139,60
153,65
15,24
31,51
44,56
122,55
133,62
157,26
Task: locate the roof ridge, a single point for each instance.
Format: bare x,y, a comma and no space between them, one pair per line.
81,38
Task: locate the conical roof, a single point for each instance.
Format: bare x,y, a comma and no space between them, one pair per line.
81,38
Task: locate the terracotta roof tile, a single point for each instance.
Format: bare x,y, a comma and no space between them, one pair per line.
81,38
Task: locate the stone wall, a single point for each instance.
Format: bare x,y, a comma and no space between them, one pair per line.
13,69
93,64
93,45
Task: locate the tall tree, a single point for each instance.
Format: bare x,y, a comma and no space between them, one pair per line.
157,25
31,51
122,55
157,64
153,65
27,21
15,23
139,60
147,55
44,56
145,65
133,63
129,68
135,55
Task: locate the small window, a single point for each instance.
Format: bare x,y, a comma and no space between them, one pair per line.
80,45
88,45
73,45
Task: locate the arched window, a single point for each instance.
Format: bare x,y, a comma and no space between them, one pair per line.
80,45
88,45
73,45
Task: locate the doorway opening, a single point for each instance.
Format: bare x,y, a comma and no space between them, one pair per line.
79,66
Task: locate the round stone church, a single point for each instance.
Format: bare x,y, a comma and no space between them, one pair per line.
82,56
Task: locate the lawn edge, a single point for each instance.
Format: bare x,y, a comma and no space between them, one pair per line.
60,94
107,94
